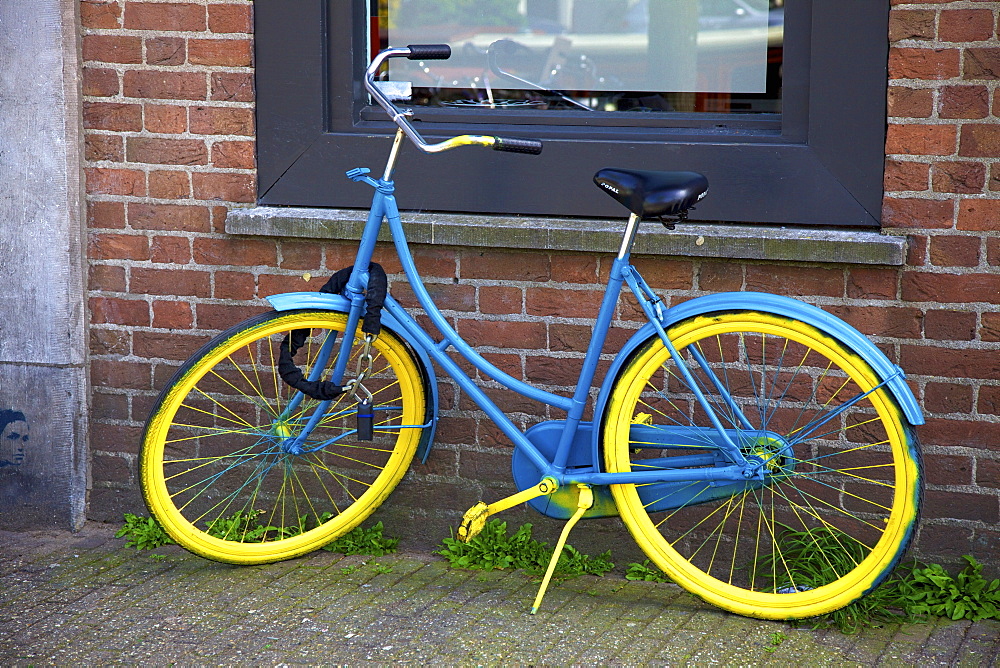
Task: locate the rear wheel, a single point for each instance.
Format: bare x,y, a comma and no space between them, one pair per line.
841,485
215,466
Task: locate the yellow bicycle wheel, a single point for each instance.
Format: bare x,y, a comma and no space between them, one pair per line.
215,467
838,500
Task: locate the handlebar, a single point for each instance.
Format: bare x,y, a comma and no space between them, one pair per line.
401,117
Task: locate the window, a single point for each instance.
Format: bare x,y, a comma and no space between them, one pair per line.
769,133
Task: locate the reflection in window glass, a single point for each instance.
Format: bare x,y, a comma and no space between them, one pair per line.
591,55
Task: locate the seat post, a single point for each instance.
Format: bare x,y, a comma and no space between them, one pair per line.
629,237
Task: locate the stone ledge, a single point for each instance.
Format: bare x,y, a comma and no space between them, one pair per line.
738,242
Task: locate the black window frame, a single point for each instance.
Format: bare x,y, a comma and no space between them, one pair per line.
820,163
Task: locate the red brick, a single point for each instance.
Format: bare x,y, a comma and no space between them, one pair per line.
916,250
112,48
951,288
920,139
230,18
959,177
906,176
950,362
871,283
790,280
994,182
170,282
943,540
107,406
241,252
979,214
506,266
961,506
172,250
165,85
911,24
720,276
172,315
954,251
235,285
917,213
220,52
500,300
990,331
916,63
910,102
173,184
982,63
165,16
980,140
112,116
105,214
948,398
165,118
223,316
275,284
573,268
503,333
117,247
100,82
966,25
964,102
988,473
110,341
950,325
112,310
225,187
103,147
107,181
960,433
171,346
221,121
447,296
166,50
97,15
947,469
430,260
561,303
106,278
300,255
232,87
122,375
989,403
161,151
881,321
234,154
666,274
176,217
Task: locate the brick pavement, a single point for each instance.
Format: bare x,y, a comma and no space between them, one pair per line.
84,598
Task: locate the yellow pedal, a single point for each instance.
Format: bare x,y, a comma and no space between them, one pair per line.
475,517
473,522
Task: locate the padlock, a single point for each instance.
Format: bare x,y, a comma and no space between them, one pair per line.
366,415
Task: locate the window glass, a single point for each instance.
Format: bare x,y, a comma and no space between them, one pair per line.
590,55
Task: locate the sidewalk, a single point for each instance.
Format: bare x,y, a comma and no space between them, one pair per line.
85,598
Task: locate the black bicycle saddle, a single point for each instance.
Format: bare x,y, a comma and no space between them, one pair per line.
653,194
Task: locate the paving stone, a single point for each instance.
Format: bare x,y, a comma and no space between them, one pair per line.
68,599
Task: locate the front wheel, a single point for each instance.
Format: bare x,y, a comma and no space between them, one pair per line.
837,503
216,466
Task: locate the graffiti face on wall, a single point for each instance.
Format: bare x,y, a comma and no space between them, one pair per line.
13,438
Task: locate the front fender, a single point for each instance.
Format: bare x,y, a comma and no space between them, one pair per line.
323,301
776,305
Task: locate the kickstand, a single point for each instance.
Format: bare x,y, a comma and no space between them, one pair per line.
585,501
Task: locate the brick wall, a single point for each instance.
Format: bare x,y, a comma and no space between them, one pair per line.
169,140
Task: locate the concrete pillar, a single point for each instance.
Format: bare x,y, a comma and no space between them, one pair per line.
43,351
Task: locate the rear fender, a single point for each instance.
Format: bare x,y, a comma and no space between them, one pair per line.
776,305
322,301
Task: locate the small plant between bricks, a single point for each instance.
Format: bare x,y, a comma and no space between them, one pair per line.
494,549
145,533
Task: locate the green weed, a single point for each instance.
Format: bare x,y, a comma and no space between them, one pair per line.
143,533
645,572
932,591
493,549
364,541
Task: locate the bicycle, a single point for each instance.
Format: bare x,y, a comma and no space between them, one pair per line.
733,433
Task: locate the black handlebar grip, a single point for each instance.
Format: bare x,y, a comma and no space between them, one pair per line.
532,146
429,52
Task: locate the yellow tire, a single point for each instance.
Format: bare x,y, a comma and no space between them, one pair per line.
842,484
213,466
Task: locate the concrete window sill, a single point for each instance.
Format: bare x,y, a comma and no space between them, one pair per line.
738,242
